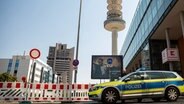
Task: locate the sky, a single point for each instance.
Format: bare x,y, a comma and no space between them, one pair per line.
27,24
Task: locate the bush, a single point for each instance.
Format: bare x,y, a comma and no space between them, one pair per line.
5,77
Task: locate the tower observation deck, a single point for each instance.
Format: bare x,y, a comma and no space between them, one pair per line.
114,22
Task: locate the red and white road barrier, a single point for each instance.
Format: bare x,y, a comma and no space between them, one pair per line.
16,91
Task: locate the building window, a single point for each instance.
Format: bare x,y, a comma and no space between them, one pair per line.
33,72
41,76
16,64
9,65
15,73
45,77
16,67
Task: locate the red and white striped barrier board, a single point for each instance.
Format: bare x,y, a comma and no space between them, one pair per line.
16,91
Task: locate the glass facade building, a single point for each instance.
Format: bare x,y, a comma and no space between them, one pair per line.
140,43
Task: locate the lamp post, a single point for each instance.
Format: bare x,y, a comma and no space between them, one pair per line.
78,35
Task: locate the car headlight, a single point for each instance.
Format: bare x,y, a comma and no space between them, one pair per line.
96,88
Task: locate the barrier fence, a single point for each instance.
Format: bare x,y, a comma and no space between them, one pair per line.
16,91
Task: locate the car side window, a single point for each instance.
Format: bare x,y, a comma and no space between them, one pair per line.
170,75
155,75
135,76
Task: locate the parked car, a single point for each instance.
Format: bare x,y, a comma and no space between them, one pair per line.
139,85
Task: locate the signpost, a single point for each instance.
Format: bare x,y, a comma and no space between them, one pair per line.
75,62
34,54
109,60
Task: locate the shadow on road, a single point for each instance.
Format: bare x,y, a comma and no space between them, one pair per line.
145,101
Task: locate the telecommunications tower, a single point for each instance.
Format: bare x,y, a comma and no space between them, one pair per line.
114,22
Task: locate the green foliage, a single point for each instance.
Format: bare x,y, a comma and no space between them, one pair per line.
5,77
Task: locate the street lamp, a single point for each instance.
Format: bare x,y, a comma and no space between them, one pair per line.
78,35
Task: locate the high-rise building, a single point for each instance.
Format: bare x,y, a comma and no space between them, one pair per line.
60,58
36,71
155,39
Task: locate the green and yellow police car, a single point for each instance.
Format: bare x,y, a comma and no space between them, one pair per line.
139,85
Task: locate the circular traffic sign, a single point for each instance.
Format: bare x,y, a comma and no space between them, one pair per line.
109,60
34,53
75,62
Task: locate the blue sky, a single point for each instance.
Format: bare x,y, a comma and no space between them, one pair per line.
27,24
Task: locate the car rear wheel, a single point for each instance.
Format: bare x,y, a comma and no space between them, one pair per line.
172,94
110,96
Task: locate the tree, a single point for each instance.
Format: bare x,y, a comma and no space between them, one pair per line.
5,77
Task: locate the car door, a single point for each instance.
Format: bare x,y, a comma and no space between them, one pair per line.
155,83
133,85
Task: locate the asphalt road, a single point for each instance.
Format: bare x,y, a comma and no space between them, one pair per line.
144,101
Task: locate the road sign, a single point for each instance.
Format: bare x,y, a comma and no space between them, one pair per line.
109,60
75,62
34,53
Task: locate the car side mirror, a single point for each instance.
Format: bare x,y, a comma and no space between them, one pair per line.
142,77
127,79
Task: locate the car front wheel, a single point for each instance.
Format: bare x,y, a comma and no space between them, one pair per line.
110,96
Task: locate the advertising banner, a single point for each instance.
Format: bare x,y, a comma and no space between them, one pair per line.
106,67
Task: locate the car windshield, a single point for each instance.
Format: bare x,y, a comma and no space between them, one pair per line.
125,76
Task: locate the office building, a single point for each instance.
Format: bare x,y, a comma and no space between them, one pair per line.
155,39
60,58
36,71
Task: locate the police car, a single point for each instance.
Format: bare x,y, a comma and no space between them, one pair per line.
139,85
